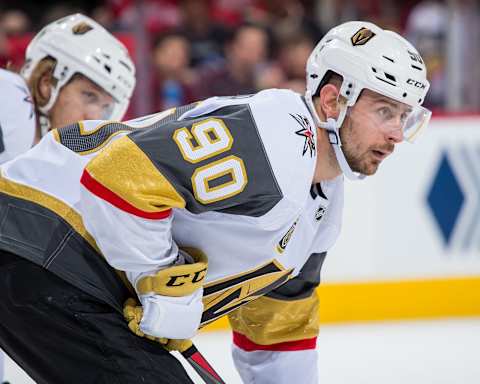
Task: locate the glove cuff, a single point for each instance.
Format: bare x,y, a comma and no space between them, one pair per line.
176,280
172,317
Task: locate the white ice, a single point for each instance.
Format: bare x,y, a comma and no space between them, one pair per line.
420,352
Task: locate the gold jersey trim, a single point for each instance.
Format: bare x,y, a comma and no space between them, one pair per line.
124,169
50,202
227,294
267,321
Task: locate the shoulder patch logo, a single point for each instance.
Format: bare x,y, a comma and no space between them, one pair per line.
282,244
307,132
362,36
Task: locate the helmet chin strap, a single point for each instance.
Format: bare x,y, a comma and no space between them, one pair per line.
332,127
44,110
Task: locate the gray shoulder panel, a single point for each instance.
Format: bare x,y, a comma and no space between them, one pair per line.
261,191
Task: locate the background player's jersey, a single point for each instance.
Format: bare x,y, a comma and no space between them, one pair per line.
17,116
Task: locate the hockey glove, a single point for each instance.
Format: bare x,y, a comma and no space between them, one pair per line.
133,314
172,297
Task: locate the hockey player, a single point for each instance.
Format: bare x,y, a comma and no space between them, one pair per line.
227,206
74,70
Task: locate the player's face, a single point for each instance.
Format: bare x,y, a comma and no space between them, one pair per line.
371,129
80,99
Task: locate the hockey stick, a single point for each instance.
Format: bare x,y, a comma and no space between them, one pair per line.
132,313
201,366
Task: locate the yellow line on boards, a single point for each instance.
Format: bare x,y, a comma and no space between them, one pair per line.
393,300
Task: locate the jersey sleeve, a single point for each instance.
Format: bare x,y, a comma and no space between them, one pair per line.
274,337
128,211
17,116
208,162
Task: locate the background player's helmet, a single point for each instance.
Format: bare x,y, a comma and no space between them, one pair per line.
367,56
81,45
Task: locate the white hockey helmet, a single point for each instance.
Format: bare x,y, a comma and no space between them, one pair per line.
368,57
81,45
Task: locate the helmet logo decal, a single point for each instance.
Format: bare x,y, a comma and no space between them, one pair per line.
362,36
81,28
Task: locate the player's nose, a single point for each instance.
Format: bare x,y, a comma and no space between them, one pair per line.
395,136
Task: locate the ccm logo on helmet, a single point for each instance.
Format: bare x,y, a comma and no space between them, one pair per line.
416,83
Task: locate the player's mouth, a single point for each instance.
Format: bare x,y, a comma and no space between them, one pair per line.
381,154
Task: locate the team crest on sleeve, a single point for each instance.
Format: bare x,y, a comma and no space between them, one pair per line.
362,36
307,132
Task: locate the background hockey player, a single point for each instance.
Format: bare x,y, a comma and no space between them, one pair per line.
227,206
74,70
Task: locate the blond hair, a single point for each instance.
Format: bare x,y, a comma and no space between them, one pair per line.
44,67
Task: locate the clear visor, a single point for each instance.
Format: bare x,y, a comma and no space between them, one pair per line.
108,110
391,116
416,123
94,101
98,105
119,110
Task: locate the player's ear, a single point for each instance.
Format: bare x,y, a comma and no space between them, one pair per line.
328,99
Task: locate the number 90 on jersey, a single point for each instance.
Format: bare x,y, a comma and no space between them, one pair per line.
217,180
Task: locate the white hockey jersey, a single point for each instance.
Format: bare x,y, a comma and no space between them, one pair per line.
230,176
17,116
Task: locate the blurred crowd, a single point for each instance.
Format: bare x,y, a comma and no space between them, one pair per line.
198,48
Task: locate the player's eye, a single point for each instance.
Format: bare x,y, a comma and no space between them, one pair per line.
91,97
385,113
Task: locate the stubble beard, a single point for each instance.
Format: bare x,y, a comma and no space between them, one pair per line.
358,161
